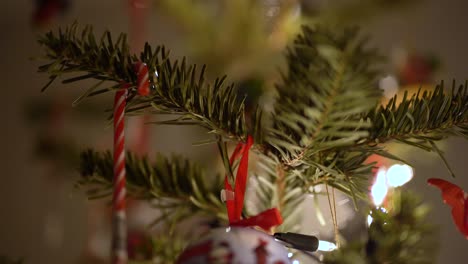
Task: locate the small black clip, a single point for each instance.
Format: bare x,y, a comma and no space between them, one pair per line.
298,241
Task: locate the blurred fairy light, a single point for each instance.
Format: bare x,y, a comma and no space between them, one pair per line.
295,261
398,175
369,220
315,189
290,254
326,246
389,85
379,189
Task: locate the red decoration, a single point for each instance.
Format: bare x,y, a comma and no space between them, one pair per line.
265,220
456,198
379,162
202,249
139,246
260,251
235,206
417,70
47,10
138,23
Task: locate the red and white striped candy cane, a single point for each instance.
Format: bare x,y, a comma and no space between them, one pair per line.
119,239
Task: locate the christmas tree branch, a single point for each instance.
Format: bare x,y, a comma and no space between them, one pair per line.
278,187
175,185
70,52
427,116
328,85
180,89
420,121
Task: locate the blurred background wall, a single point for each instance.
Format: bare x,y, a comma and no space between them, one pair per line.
45,220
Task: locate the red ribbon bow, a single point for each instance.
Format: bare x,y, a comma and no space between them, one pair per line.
266,219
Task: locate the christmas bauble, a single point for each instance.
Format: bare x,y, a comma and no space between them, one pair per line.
235,245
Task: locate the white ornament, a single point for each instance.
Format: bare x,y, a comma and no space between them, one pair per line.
235,245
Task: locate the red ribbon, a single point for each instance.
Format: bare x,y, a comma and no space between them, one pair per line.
266,219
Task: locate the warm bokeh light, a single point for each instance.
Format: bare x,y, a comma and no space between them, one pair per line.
379,189
326,246
389,85
398,175
369,220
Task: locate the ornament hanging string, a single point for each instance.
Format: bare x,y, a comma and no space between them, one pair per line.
235,196
119,234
